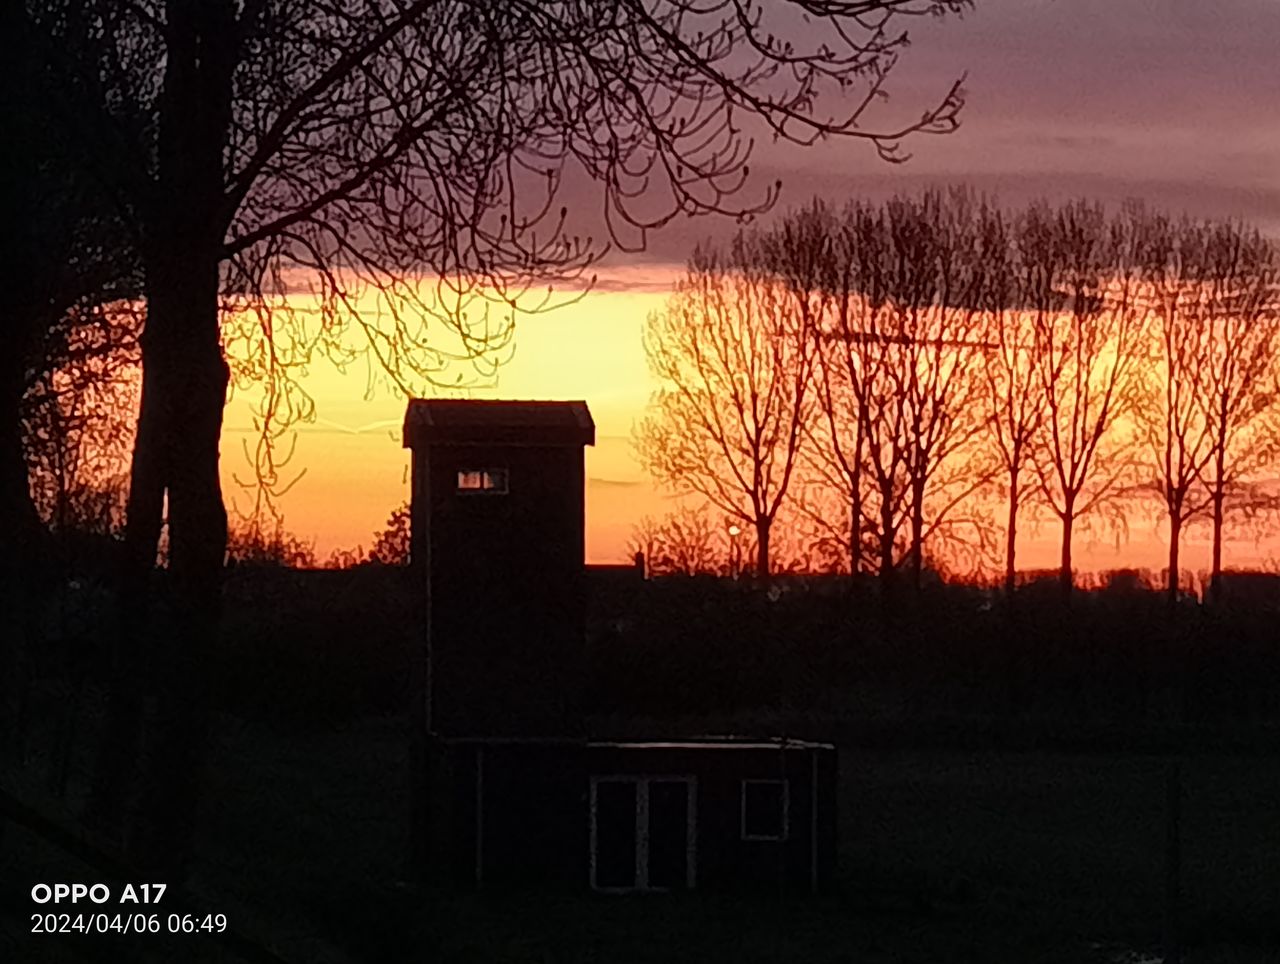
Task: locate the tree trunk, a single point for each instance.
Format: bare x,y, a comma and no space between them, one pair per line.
763,527
1218,495
917,534
1011,537
115,771
1175,537
1066,578
1009,632
192,380
1215,571
855,509
855,529
176,452
886,543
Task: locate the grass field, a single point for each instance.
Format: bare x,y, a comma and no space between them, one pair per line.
946,855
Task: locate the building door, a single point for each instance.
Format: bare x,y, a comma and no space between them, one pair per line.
614,841
642,833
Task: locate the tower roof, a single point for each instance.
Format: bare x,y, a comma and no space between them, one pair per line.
452,421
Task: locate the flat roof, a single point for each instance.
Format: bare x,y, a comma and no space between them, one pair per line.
689,743
714,743
454,421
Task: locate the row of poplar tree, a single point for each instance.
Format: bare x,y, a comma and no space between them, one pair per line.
905,383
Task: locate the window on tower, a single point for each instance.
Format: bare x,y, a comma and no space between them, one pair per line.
482,481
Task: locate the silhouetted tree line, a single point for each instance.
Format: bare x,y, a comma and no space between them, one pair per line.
957,666
399,165
906,383
318,647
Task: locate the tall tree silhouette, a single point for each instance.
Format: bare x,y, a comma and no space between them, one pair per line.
688,542
1208,413
936,288
1018,292
897,374
1236,297
1172,415
409,151
733,355
69,254
1089,322
848,452
76,430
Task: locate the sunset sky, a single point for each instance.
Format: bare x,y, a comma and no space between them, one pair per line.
1173,101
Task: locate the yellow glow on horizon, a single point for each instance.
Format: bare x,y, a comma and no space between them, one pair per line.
354,471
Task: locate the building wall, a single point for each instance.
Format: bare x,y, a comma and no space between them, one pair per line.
534,817
724,860
507,599
503,770
515,815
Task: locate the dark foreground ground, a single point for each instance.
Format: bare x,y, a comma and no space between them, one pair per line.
947,855
1003,790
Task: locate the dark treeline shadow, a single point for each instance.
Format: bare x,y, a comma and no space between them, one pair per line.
892,387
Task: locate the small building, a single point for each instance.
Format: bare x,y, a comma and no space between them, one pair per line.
513,790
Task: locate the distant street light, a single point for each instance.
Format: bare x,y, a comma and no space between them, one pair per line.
734,560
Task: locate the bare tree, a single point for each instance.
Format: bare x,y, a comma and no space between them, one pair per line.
251,543
687,542
1089,324
67,254
70,256
1235,296
849,450
1172,415
368,148
403,157
733,357
1207,419
809,254
695,538
76,434
391,545
936,288
1018,294
898,374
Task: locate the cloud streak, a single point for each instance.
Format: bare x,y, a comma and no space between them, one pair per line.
1172,101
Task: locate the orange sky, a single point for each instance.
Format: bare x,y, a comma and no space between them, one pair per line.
356,471
1177,109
